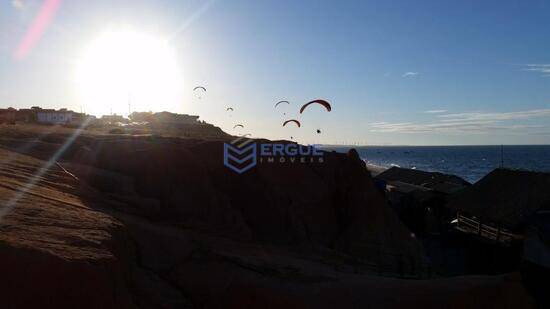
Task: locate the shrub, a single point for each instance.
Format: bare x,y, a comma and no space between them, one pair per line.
116,131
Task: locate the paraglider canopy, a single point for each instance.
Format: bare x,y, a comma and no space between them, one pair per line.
199,93
294,121
229,109
280,102
238,125
323,103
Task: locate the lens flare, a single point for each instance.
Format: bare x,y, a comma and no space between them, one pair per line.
37,28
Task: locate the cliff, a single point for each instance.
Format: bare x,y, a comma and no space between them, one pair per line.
158,222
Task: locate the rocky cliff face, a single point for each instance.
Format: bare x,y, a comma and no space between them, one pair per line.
54,248
161,223
333,205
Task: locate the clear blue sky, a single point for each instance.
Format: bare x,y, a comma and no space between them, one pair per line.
396,72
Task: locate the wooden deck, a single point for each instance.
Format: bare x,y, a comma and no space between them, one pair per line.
472,226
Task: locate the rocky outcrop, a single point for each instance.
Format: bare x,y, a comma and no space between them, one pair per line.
333,204
54,248
153,222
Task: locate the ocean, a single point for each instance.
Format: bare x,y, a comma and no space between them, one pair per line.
468,162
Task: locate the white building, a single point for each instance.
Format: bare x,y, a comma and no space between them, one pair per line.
52,116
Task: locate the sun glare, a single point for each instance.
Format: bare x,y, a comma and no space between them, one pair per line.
123,70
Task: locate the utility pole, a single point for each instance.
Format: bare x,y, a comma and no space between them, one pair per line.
129,104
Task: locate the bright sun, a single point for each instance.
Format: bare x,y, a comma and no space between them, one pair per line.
123,69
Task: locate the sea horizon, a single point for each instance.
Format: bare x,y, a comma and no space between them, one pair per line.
471,162
441,145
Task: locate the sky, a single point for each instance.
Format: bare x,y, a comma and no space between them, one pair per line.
396,72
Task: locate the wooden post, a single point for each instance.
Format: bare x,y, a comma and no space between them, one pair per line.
479,227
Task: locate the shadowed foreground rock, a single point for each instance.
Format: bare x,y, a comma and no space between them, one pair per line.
161,223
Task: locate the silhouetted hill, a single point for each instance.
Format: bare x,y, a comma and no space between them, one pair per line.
151,221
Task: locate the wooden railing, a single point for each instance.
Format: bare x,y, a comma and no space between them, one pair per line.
472,226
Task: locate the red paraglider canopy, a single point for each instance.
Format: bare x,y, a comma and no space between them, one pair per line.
318,101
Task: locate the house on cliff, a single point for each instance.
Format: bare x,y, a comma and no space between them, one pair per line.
37,114
113,119
438,182
80,119
165,118
26,114
175,119
8,115
419,197
52,116
503,204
